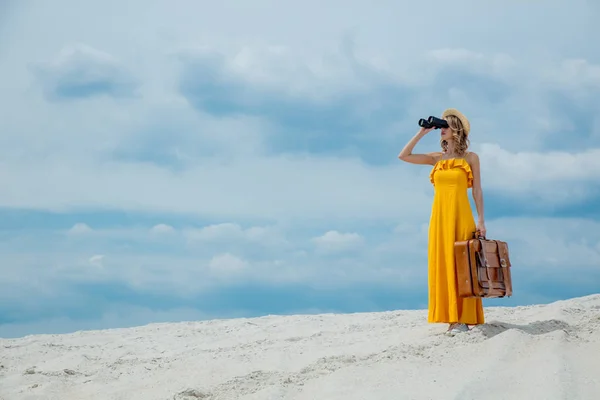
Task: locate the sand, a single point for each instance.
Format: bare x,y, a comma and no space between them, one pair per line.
545,352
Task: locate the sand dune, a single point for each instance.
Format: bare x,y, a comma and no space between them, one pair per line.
537,352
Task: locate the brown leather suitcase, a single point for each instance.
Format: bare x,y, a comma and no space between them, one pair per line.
483,268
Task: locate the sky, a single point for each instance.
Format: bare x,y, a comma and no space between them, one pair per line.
195,160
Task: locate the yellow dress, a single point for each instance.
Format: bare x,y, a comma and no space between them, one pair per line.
451,220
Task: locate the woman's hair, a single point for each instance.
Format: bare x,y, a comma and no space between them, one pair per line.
461,140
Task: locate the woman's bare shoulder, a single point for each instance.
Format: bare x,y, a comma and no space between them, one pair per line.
436,155
472,157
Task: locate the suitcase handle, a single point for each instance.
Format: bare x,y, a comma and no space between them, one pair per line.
476,235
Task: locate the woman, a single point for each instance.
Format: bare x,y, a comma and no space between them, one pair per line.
454,171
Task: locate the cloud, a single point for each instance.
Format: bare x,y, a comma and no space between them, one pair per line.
96,260
292,187
80,229
225,231
576,74
318,106
273,187
161,229
375,95
538,176
560,244
334,241
303,99
227,265
179,154
80,71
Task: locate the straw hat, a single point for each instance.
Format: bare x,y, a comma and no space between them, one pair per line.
465,122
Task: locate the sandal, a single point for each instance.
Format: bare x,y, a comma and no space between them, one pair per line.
457,328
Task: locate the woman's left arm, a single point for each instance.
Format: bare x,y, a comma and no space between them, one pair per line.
477,192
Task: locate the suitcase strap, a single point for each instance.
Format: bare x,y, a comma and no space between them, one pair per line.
484,263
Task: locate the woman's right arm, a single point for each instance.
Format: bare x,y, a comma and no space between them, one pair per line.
407,155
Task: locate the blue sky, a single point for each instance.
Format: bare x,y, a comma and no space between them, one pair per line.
165,163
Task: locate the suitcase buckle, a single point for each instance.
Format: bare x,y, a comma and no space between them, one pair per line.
503,262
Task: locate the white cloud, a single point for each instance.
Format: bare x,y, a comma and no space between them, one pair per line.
552,178
234,234
225,166
216,232
560,246
79,229
320,187
527,167
334,241
227,265
494,64
283,187
162,229
96,260
575,74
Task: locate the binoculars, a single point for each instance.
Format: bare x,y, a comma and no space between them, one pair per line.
433,122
